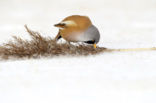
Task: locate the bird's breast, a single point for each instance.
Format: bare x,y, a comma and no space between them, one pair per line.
72,36
91,33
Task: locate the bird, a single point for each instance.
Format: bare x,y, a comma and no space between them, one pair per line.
78,28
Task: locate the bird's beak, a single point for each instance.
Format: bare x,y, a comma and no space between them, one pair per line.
60,25
94,45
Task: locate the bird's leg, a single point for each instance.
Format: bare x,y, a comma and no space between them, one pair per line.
58,36
68,42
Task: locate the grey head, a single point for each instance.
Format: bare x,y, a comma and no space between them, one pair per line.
92,35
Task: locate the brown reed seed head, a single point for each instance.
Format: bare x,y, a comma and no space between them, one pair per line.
40,46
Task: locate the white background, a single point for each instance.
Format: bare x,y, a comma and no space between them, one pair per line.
112,77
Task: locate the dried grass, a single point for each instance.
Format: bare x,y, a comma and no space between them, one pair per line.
40,46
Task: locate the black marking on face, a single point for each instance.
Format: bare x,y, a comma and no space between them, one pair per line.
90,42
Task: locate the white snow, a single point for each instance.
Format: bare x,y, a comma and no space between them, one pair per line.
110,77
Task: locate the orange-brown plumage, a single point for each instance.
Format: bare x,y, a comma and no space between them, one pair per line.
74,28
69,33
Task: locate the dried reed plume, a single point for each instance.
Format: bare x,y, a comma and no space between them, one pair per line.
40,46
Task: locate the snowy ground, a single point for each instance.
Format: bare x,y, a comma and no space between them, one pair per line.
116,77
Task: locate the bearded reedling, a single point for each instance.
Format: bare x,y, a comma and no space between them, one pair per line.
78,28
